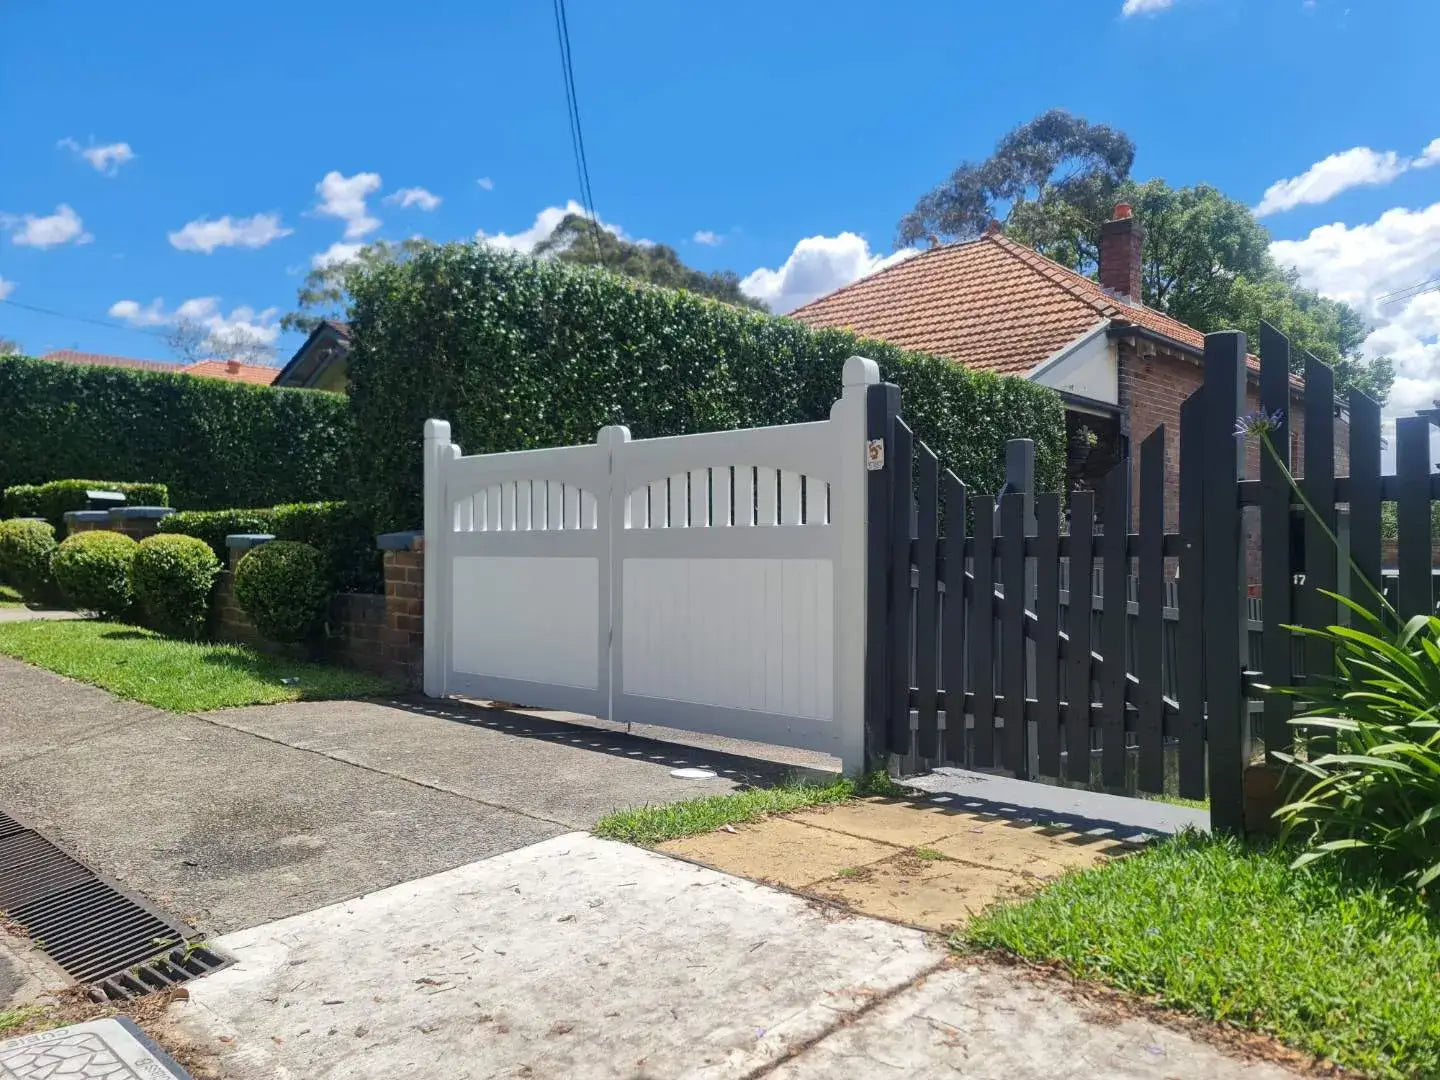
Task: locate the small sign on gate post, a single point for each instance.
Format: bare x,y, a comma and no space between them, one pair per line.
875,455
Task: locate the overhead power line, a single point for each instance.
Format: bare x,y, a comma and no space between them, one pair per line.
577,135
108,324
1409,293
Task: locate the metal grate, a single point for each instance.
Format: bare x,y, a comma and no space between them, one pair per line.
95,932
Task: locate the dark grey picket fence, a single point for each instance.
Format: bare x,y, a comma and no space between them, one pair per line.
1160,631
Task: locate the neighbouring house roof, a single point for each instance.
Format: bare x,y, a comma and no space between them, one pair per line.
327,346
990,304
74,356
231,371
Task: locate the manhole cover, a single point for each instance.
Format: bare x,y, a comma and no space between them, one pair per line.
107,1049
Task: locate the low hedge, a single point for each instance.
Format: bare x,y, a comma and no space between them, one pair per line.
339,531
213,526
282,587
92,570
172,576
54,499
214,443
519,353
26,548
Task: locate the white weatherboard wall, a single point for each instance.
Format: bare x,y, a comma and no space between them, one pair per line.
707,582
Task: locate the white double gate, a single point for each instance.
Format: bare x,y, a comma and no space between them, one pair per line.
709,582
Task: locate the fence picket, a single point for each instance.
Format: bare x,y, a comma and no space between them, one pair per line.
1114,623
1012,630
1364,501
1189,636
1412,517
982,633
927,664
952,659
1150,620
1316,609
902,598
1077,660
1047,633
1275,525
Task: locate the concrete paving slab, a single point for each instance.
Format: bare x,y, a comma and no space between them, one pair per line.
985,1023
934,893
779,851
566,772
20,613
575,957
1117,815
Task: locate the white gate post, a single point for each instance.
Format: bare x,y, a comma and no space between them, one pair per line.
438,449
849,522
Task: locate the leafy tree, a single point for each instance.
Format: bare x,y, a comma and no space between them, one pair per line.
323,295
1060,161
193,341
9,347
577,240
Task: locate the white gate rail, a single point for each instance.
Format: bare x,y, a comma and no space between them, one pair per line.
708,582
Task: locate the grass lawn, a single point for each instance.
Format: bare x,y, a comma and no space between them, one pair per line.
654,824
180,676
1332,965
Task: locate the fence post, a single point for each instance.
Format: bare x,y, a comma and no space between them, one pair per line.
1226,715
853,592
438,449
1020,476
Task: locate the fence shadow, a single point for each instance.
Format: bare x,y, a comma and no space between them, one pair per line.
601,737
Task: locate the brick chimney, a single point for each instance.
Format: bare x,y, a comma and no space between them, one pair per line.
232,367
1121,241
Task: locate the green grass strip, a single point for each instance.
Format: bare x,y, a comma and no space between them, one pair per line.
653,824
1331,964
181,676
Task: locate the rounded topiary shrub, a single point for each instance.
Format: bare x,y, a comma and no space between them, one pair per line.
172,576
283,587
93,572
26,547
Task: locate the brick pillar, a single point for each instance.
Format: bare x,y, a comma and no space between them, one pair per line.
403,639
78,521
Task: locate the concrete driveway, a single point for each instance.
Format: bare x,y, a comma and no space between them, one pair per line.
236,818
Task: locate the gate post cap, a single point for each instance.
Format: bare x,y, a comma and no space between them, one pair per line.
611,434
437,430
860,371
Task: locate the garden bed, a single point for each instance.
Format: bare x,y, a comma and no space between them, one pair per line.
179,676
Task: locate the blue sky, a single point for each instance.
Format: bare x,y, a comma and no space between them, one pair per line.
795,133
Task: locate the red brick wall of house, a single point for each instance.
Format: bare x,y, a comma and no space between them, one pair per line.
1152,389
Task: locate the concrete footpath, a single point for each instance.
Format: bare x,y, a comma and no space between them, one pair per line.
586,959
237,818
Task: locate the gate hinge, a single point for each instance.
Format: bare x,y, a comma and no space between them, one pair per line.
874,455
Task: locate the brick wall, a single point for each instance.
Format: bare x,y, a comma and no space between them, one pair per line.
369,631
1155,386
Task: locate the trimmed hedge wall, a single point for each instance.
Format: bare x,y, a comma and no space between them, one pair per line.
53,500
519,353
214,443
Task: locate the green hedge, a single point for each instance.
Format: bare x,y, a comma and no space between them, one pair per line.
54,499
214,443
172,576
26,548
281,586
339,531
519,353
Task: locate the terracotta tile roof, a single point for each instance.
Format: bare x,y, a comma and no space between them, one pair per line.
73,356
990,304
258,374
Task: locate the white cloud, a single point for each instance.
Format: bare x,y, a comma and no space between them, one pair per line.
705,236
413,196
1359,166
1429,156
6,288
1360,265
344,197
103,159
486,183
337,253
62,227
1142,7
242,323
818,265
205,235
545,223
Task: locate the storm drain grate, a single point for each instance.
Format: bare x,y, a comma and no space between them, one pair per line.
95,932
